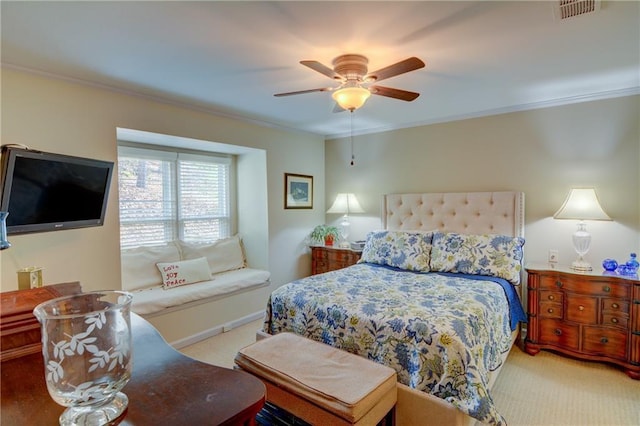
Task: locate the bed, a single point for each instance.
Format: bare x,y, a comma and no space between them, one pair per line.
435,296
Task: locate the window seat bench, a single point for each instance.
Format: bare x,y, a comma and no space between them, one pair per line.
154,300
178,276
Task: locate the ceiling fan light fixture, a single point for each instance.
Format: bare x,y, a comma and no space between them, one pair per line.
351,98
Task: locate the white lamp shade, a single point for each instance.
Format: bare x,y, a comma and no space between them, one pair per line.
581,204
346,203
351,98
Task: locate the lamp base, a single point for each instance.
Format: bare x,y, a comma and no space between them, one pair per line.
581,266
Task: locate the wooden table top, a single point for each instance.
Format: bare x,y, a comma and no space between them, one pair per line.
166,387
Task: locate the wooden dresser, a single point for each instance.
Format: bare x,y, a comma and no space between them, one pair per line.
325,259
586,315
19,328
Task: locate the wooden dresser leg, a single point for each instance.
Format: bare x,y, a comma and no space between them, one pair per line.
531,350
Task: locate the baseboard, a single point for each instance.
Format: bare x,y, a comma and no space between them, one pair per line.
195,338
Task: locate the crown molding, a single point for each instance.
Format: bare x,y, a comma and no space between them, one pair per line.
444,119
154,98
610,94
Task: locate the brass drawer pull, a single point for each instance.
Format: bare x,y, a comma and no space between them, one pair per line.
550,310
551,297
614,320
606,289
604,340
557,332
559,284
581,308
615,305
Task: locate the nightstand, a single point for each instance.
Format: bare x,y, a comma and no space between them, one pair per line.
591,316
325,258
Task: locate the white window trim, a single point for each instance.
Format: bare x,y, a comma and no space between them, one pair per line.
170,153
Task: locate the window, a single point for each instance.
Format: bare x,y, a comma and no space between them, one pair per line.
169,195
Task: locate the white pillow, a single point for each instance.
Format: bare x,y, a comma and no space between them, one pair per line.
184,272
223,255
138,265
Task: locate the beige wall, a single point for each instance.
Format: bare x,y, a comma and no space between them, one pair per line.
542,152
68,118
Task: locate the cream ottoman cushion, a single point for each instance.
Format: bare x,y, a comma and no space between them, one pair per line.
341,383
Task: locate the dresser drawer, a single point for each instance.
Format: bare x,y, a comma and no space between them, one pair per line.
555,332
582,309
615,305
605,342
346,258
594,287
340,264
550,282
339,256
551,296
550,310
320,254
321,265
616,320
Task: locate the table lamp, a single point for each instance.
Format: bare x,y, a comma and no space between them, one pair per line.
345,203
581,204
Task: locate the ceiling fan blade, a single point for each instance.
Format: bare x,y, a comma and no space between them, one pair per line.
301,92
322,69
390,92
398,68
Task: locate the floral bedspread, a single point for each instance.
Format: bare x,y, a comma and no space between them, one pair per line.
442,334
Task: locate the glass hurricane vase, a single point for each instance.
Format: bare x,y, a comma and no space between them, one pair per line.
86,345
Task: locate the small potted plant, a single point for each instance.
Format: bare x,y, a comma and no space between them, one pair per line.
326,234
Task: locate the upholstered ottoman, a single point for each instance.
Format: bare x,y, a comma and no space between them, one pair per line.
320,384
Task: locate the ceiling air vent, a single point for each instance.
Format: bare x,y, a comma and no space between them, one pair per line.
569,8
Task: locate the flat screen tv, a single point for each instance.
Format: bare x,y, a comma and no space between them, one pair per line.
44,192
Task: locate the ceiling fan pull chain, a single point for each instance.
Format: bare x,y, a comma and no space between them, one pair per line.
352,156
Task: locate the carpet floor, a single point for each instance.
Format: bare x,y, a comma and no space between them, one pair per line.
546,389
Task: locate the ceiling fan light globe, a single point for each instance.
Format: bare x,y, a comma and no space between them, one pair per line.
351,98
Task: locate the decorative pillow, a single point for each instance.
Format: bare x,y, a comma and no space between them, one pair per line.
175,274
223,255
407,250
489,254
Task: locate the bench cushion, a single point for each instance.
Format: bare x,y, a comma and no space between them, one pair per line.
155,299
340,382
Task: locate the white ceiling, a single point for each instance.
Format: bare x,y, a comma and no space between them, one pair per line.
230,58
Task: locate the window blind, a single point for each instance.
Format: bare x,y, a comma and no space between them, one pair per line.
168,195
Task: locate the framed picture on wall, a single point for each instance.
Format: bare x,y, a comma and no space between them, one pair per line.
298,191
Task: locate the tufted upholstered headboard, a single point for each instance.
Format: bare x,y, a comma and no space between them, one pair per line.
461,212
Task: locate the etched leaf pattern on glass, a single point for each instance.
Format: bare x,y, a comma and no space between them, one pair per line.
78,344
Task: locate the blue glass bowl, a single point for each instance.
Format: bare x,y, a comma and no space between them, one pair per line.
609,264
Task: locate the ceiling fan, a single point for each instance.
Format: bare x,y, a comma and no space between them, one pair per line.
356,83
